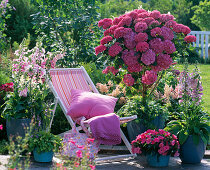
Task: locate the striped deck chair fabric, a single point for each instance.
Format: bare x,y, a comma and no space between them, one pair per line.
65,79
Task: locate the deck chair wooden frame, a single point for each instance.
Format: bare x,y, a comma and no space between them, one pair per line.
61,86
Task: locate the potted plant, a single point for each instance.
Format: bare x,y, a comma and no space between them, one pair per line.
157,146
44,144
151,115
30,90
139,47
190,123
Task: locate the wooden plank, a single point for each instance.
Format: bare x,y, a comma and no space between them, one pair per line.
206,47
202,44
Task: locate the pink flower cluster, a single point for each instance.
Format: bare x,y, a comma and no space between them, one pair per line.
161,142
144,41
7,87
110,69
1,127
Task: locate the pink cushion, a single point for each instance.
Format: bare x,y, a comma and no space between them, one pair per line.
90,104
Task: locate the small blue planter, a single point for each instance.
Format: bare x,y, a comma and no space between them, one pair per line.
157,161
43,156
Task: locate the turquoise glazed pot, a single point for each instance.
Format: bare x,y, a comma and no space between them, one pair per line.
191,153
43,156
157,161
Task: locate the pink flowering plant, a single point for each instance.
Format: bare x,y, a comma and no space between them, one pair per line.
29,93
156,142
190,118
140,46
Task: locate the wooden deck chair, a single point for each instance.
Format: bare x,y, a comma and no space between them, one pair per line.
61,83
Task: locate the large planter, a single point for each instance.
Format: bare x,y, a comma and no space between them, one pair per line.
192,153
134,129
43,156
156,160
17,127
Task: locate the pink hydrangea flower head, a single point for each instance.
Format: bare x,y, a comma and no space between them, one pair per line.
178,28
154,23
156,32
119,32
105,40
156,45
169,47
143,15
142,46
117,20
125,21
135,68
128,80
190,39
100,49
166,17
186,30
140,26
149,77
141,37
167,33
129,57
140,10
105,23
148,57
112,29
170,23
164,60
130,39
115,49
155,14
107,32
138,20
148,20
133,15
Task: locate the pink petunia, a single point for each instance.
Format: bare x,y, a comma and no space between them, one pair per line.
79,153
93,167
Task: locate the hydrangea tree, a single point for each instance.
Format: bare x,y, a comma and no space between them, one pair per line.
140,46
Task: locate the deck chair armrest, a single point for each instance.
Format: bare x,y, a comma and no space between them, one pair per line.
127,119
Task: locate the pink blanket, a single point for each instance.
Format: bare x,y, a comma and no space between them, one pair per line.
106,129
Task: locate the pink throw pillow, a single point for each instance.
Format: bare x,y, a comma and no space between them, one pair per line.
90,104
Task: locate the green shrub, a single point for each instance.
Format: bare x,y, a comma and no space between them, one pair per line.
20,22
4,147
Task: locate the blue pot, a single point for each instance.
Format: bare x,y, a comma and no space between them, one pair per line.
43,156
156,160
192,153
17,127
134,129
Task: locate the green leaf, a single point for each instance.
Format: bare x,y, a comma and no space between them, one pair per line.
196,130
183,137
196,139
